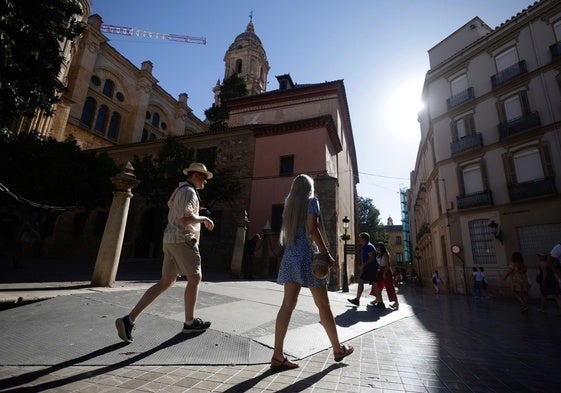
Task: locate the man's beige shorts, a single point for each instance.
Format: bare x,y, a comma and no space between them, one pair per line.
181,259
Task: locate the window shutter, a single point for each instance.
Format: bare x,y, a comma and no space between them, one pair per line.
524,102
454,131
546,160
509,169
484,177
460,175
501,111
470,126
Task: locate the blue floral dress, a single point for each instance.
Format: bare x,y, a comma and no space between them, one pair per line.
296,264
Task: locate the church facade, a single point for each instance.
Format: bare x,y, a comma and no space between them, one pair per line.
112,106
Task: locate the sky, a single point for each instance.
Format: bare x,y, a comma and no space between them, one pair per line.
378,48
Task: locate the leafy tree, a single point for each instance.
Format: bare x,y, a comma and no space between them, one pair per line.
52,173
232,87
31,33
369,220
160,175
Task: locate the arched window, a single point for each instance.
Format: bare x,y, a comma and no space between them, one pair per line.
114,125
101,119
156,120
239,66
88,111
144,137
108,88
152,137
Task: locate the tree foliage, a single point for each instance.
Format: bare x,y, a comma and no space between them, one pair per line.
52,173
160,175
232,87
369,221
31,33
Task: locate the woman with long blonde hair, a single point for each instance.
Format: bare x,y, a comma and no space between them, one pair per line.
301,237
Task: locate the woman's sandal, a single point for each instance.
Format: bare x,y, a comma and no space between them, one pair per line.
347,350
284,364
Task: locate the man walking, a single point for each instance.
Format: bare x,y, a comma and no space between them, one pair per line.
368,270
181,252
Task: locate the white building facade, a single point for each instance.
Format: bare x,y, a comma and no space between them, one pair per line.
487,177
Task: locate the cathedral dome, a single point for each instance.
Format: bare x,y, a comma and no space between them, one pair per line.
247,39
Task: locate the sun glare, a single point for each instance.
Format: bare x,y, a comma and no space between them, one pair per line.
402,109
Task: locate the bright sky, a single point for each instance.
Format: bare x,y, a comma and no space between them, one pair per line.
379,48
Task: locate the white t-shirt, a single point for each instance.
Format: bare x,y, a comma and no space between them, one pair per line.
556,251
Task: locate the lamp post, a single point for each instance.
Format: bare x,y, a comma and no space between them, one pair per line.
345,280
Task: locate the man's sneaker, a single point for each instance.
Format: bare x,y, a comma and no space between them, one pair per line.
354,301
198,325
124,328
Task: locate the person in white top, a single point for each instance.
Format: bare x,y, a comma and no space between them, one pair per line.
436,281
181,252
554,259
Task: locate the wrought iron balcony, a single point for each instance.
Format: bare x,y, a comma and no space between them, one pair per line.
509,73
460,98
425,228
555,50
527,121
468,142
532,189
484,198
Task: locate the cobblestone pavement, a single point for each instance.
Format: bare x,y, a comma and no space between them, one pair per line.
433,343
452,344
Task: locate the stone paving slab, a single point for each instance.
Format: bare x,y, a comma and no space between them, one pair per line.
79,328
451,344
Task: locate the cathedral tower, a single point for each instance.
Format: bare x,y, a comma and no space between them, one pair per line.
247,58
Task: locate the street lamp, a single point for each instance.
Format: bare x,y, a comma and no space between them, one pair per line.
345,239
496,231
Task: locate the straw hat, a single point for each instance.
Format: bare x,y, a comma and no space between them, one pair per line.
198,167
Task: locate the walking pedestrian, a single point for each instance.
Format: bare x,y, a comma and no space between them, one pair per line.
477,283
549,286
436,282
368,270
301,237
385,276
248,253
484,282
519,281
181,252
554,260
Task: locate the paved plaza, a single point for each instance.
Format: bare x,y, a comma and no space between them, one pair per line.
67,342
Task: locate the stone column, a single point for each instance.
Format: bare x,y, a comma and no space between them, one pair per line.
237,256
109,252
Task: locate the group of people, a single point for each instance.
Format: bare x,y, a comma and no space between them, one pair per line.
300,236
548,276
375,269
479,282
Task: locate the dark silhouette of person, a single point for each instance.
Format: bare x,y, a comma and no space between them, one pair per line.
248,254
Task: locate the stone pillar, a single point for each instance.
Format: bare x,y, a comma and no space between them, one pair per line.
237,256
109,252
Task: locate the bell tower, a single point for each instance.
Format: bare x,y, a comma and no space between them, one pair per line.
247,58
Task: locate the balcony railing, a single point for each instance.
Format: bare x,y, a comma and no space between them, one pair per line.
484,198
532,189
509,73
460,98
523,123
555,50
425,228
468,142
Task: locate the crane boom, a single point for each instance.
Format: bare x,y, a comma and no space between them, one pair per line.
123,30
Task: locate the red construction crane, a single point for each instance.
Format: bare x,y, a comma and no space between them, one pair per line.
122,30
